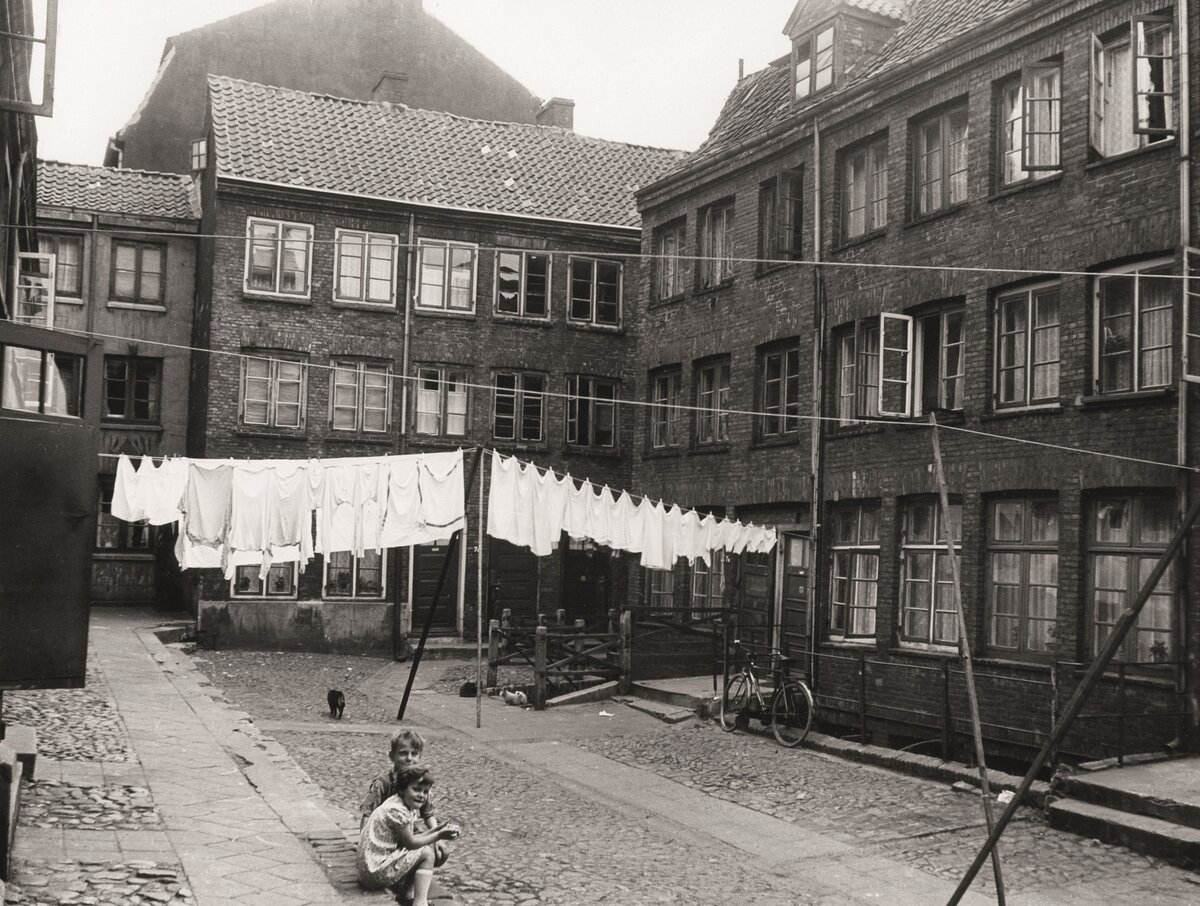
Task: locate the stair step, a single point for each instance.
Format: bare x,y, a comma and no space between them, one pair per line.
672,714
646,692
1087,789
1173,843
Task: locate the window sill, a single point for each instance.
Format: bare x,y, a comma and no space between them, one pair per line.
1033,663
108,425
918,220
1102,400
775,267
840,431
1018,411
921,649
279,598
711,449
109,553
438,439
1023,185
443,313
851,644
137,306
516,448
357,437
379,307
768,443
855,241
662,452
715,288
1101,162
668,300
59,300
520,320
613,329
251,296
353,599
273,434
592,452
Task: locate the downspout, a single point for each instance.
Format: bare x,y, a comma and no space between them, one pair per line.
409,282
816,460
93,295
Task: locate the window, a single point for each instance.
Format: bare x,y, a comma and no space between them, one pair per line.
921,362
712,401
708,584
362,397
33,380
595,292
117,535
780,218
813,62
447,276
365,268
1027,352
927,611
68,262
278,258
1023,570
1031,121
280,582
660,590
273,392
137,272
666,416
591,412
780,370
858,372
523,284
519,406
1133,99
348,576
442,400
1134,311
668,260
864,175
132,388
855,577
716,244
1127,536
940,156
199,151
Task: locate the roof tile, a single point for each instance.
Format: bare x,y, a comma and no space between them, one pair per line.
136,192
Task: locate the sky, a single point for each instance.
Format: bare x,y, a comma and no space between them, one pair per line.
651,72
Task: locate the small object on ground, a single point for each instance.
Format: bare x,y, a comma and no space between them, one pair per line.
337,703
605,714
514,697
1004,797
467,690
962,786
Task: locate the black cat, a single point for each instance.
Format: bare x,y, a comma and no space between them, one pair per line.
337,703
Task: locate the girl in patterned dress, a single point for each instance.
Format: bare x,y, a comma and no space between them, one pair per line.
391,851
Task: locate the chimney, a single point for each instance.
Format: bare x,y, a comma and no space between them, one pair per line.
391,88
558,112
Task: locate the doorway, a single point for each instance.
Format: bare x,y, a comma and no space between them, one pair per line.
427,560
792,567
586,581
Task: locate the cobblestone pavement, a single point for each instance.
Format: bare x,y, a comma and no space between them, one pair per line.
57,803
100,884
72,724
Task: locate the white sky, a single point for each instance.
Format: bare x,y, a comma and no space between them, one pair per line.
652,72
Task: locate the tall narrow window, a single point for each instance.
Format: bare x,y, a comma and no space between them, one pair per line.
441,401
813,63
716,244
1126,538
668,260
273,392
591,412
132,388
278,257
595,292
1023,575
927,611
660,591
864,174
137,272
666,416
1134,324
1027,347
68,262
366,267
362,397
447,276
519,406
854,581
523,284
858,372
780,218
940,156
780,392
712,401
1031,123
1133,95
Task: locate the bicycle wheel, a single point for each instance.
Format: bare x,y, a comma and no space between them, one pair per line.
735,698
791,713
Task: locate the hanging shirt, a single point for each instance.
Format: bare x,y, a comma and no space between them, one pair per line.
443,509
653,518
575,512
600,509
626,525
204,528
161,490
689,538
402,524
549,502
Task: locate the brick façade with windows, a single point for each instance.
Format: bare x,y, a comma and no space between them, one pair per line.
1003,149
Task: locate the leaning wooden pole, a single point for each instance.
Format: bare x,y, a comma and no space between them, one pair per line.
965,652
479,604
1090,679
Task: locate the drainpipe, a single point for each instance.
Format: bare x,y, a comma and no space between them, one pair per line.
93,250
409,283
818,395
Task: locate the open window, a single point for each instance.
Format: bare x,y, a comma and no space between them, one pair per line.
921,362
35,289
895,372
1153,79
1191,314
1133,86
28,38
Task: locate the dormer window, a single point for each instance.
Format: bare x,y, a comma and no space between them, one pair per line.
813,55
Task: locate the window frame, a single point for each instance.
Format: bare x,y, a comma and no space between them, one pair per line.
904,369
129,397
702,595
865,157
909,550
522,292
272,401
277,245
1137,270
593,404
361,368
1013,130
131,537
714,245
1028,297
669,271
780,411
52,243
1025,548
261,592
198,151
355,568
367,239
667,416
780,219
445,291
945,178
593,299
712,402
848,559
442,373
136,297
861,341
660,591
812,56
520,405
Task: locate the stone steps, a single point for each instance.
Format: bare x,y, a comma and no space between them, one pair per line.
1174,843
1172,811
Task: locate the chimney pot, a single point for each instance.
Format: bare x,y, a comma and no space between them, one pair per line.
558,112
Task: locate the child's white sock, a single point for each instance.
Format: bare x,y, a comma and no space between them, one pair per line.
422,878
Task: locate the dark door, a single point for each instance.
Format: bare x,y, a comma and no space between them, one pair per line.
585,581
427,567
512,581
753,597
795,560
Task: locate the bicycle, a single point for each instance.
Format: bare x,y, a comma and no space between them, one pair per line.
789,711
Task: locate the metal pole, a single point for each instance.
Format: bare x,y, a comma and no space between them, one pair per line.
479,602
1082,691
965,651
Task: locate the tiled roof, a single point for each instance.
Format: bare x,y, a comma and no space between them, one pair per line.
762,100
893,9
134,192
390,151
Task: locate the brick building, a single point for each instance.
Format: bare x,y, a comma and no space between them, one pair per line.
388,50
969,210
389,280
124,243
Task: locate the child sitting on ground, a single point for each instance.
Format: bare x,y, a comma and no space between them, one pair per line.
404,751
392,851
